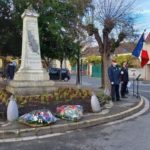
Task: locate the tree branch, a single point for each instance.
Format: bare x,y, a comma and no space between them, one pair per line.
99,40
115,44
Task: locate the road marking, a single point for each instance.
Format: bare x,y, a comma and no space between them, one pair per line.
5,124
146,91
29,138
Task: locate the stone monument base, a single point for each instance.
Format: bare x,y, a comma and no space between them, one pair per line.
30,87
31,75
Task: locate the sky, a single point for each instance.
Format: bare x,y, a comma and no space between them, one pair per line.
142,9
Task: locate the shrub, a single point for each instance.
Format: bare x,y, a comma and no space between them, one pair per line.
104,99
61,94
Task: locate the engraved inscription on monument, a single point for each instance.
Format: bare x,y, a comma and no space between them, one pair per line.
33,43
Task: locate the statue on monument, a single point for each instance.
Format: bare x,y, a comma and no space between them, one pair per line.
30,11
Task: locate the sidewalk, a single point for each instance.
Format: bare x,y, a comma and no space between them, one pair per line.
111,112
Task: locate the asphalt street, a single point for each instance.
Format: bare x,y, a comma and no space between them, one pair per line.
129,135
96,83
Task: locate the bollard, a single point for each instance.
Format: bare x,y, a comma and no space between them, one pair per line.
12,109
95,103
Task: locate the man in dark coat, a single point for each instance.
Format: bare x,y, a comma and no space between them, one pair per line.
124,79
114,77
10,71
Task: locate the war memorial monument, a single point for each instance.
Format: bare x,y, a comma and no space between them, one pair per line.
31,78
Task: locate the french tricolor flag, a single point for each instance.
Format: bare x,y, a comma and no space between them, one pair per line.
141,51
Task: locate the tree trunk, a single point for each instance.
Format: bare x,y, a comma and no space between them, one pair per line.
61,61
46,62
102,76
78,72
105,65
106,61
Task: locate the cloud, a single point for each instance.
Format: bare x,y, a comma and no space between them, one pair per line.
143,12
142,7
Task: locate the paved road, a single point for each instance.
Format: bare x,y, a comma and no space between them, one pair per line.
96,82
88,81
129,135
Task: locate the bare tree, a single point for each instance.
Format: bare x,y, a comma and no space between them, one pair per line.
112,17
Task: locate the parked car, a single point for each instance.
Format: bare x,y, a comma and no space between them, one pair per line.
57,73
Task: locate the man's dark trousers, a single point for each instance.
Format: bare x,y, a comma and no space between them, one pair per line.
115,92
123,88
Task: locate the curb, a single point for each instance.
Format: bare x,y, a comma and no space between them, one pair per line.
55,129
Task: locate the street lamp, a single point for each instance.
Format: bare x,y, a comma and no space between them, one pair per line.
90,14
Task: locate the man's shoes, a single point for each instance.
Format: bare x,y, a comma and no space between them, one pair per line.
124,97
118,99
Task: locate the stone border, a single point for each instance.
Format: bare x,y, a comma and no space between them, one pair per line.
20,133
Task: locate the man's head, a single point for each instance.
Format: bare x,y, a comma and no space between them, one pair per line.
114,62
125,64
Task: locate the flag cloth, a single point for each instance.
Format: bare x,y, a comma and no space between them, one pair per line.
136,52
141,51
144,58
